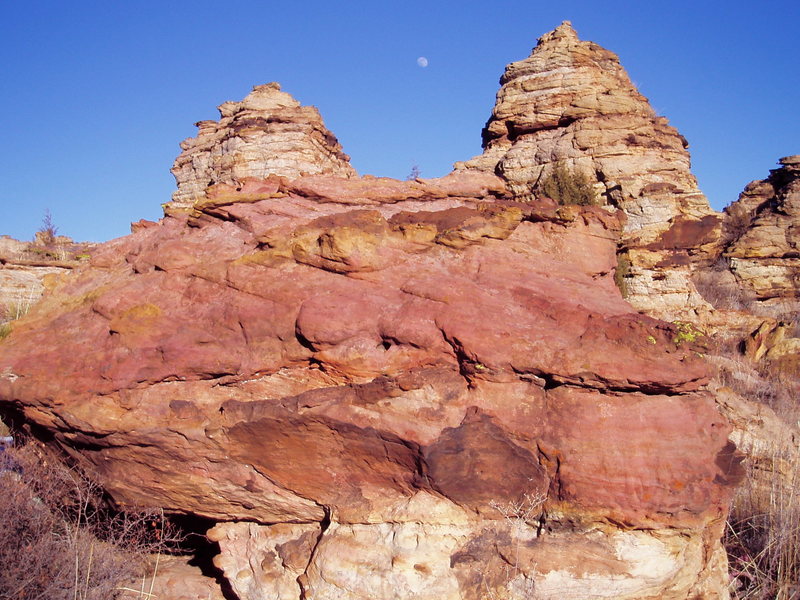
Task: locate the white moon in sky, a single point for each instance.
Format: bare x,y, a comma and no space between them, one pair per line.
422,62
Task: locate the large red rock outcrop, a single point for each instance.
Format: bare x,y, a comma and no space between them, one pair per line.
571,105
384,389
267,133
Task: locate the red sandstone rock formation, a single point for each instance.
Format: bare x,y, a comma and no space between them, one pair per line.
267,133
428,389
388,389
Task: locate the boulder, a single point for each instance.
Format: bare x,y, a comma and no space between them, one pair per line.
441,396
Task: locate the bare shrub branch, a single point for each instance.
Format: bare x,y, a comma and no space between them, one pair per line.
58,538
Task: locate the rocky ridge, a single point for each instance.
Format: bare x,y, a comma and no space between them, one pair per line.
753,282
763,227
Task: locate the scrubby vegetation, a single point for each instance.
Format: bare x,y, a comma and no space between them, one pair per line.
59,540
48,231
622,273
567,186
763,529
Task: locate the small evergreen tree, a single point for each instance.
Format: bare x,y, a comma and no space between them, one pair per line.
48,231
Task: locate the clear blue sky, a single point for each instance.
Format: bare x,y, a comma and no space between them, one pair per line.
96,96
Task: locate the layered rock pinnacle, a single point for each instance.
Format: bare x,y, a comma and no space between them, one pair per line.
267,133
571,104
764,231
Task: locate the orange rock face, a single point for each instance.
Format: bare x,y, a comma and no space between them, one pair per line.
351,365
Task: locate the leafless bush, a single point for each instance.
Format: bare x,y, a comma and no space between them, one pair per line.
414,174
750,382
59,540
48,231
718,286
522,517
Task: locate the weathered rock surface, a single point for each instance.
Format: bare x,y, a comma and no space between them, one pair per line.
386,389
173,578
751,277
267,133
763,227
571,104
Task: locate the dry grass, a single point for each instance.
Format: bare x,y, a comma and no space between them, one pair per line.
763,535
59,540
13,311
18,309
763,530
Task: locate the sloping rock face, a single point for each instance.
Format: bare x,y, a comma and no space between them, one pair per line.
267,133
571,104
384,389
763,227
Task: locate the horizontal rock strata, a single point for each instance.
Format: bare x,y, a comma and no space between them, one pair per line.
267,133
764,231
384,389
571,105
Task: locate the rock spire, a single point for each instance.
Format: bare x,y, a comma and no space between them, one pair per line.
571,104
267,133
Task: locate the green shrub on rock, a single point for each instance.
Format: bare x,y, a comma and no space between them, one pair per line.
568,186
